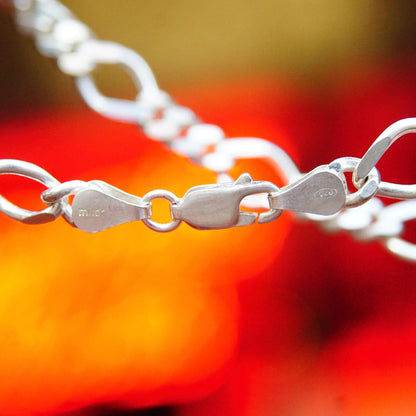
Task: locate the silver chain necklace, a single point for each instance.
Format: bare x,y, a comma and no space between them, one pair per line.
321,195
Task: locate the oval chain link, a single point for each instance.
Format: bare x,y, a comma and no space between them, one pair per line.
28,170
376,152
59,34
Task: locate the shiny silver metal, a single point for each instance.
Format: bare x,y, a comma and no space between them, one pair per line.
212,207
322,191
377,150
356,219
321,195
401,248
389,222
396,191
169,196
31,171
255,148
401,212
100,206
229,151
366,190
197,138
58,192
149,99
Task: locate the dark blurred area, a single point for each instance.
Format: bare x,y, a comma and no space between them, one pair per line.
188,43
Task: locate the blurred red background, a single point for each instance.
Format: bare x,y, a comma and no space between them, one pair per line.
263,320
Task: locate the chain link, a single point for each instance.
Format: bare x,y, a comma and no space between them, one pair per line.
173,199
98,206
28,170
366,190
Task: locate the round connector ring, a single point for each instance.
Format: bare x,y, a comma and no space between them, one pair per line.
173,199
367,189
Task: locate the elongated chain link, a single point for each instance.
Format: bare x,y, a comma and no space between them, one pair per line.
321,195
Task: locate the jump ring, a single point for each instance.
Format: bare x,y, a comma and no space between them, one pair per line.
172,198
369,187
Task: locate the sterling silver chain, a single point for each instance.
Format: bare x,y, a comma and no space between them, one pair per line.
321,195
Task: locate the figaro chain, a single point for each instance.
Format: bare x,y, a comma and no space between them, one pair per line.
321,195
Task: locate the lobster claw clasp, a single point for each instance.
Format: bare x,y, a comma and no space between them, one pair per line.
212,207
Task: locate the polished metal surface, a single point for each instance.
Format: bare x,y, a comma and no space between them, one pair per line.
375,153
212,207
366,190
321,195
150,98
156,226
382,143
322,191
100,206
401,212
30,171
53,195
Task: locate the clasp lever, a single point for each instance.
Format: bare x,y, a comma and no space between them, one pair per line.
212,207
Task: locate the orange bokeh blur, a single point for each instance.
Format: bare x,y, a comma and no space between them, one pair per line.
127,315
276,319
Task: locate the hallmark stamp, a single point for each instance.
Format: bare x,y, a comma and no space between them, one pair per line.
91,212
325,193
